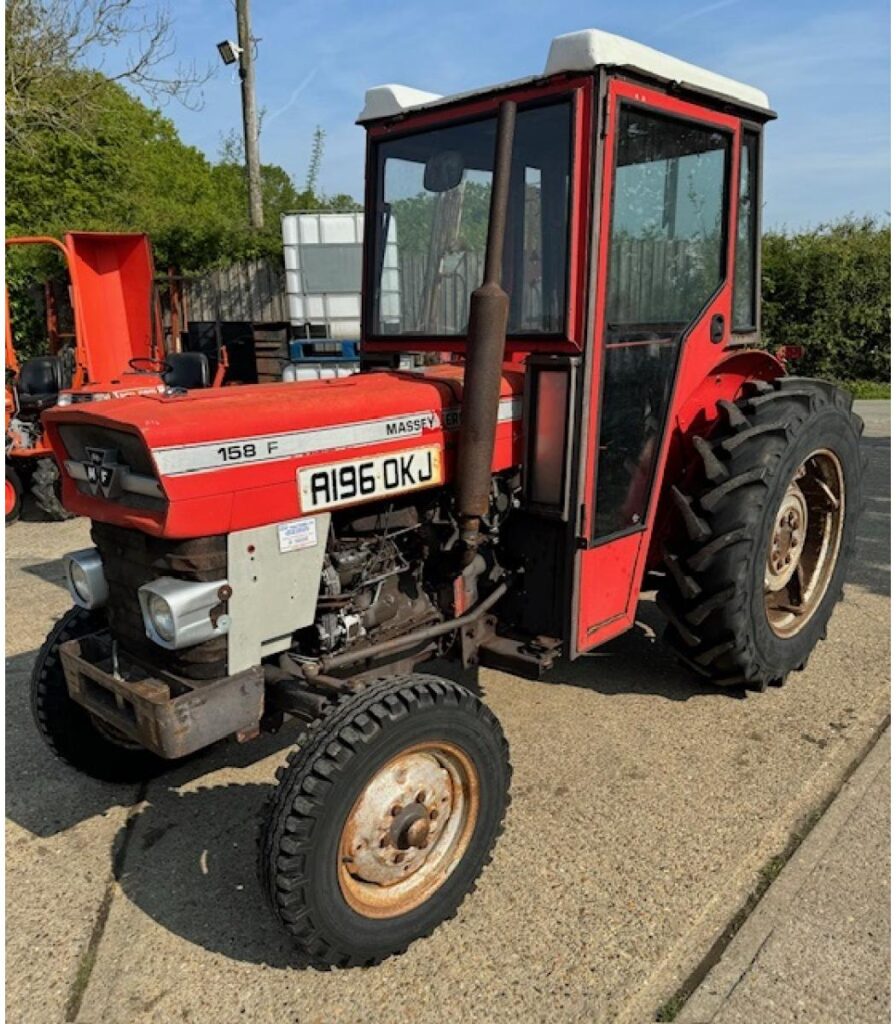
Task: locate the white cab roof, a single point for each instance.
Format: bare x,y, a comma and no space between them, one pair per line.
576,51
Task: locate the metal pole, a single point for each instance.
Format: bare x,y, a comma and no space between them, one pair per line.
250,113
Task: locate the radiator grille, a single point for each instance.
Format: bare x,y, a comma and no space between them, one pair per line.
128,449
130,559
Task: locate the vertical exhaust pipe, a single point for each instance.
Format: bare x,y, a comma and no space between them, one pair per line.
486,338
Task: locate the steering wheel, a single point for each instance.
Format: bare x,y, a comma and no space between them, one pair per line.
146,364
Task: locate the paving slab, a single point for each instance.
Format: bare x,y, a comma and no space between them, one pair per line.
644,808
817,947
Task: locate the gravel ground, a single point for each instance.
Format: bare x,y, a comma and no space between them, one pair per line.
645,807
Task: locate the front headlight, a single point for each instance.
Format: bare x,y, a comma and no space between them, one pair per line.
79,581
86,579
161,615
183,613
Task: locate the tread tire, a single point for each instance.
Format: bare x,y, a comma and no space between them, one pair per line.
66,727
45,488
713,593
302,822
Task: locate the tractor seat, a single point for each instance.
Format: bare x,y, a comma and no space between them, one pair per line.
37,384
189,370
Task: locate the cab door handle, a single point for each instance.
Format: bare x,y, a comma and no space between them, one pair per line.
717,328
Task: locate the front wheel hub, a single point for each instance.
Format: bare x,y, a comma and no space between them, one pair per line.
408,829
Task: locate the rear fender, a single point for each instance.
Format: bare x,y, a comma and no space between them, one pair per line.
695,416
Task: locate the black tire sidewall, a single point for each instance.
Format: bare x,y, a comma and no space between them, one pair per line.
828,429
66,727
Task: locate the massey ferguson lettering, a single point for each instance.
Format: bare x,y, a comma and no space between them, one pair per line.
413,426
343,483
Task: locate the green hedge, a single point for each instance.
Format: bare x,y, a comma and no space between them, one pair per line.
828,290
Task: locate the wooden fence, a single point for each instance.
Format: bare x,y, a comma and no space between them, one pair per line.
251,290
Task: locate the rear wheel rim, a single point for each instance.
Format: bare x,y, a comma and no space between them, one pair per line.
408,830
804,545
10,497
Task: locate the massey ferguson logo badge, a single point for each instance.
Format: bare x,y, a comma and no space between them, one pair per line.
103,471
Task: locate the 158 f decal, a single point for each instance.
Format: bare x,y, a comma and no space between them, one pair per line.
344,483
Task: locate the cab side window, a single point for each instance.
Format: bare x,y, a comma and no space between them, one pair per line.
746,261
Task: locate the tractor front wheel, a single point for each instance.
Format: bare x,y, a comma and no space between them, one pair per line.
383,819
769,511
87,744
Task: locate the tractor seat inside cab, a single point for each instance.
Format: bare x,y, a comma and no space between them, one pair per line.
38,383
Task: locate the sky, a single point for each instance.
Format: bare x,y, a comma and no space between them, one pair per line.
824,63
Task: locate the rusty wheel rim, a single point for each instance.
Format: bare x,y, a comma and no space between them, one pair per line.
408,830
804,543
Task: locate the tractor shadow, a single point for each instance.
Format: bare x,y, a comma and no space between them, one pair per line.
50,572
187,860
638,662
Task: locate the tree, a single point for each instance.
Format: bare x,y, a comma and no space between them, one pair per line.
50,42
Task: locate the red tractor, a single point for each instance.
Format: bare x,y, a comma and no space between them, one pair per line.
115,348
602,416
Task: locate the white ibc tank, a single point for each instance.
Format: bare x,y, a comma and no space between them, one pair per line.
322,256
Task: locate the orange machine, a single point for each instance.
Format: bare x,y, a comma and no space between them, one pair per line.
116,349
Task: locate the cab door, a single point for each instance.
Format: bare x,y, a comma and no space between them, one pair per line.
665,253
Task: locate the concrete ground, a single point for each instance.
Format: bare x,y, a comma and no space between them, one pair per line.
646,809
817,947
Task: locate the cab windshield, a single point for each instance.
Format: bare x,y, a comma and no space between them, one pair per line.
433,190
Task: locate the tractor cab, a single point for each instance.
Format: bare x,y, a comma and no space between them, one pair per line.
630,262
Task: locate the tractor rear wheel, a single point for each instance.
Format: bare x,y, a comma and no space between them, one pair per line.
86,743
13,495
45,486
769,515
383,819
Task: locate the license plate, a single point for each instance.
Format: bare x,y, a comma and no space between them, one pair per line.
346,483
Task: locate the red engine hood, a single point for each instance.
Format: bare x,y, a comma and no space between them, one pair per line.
231,458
